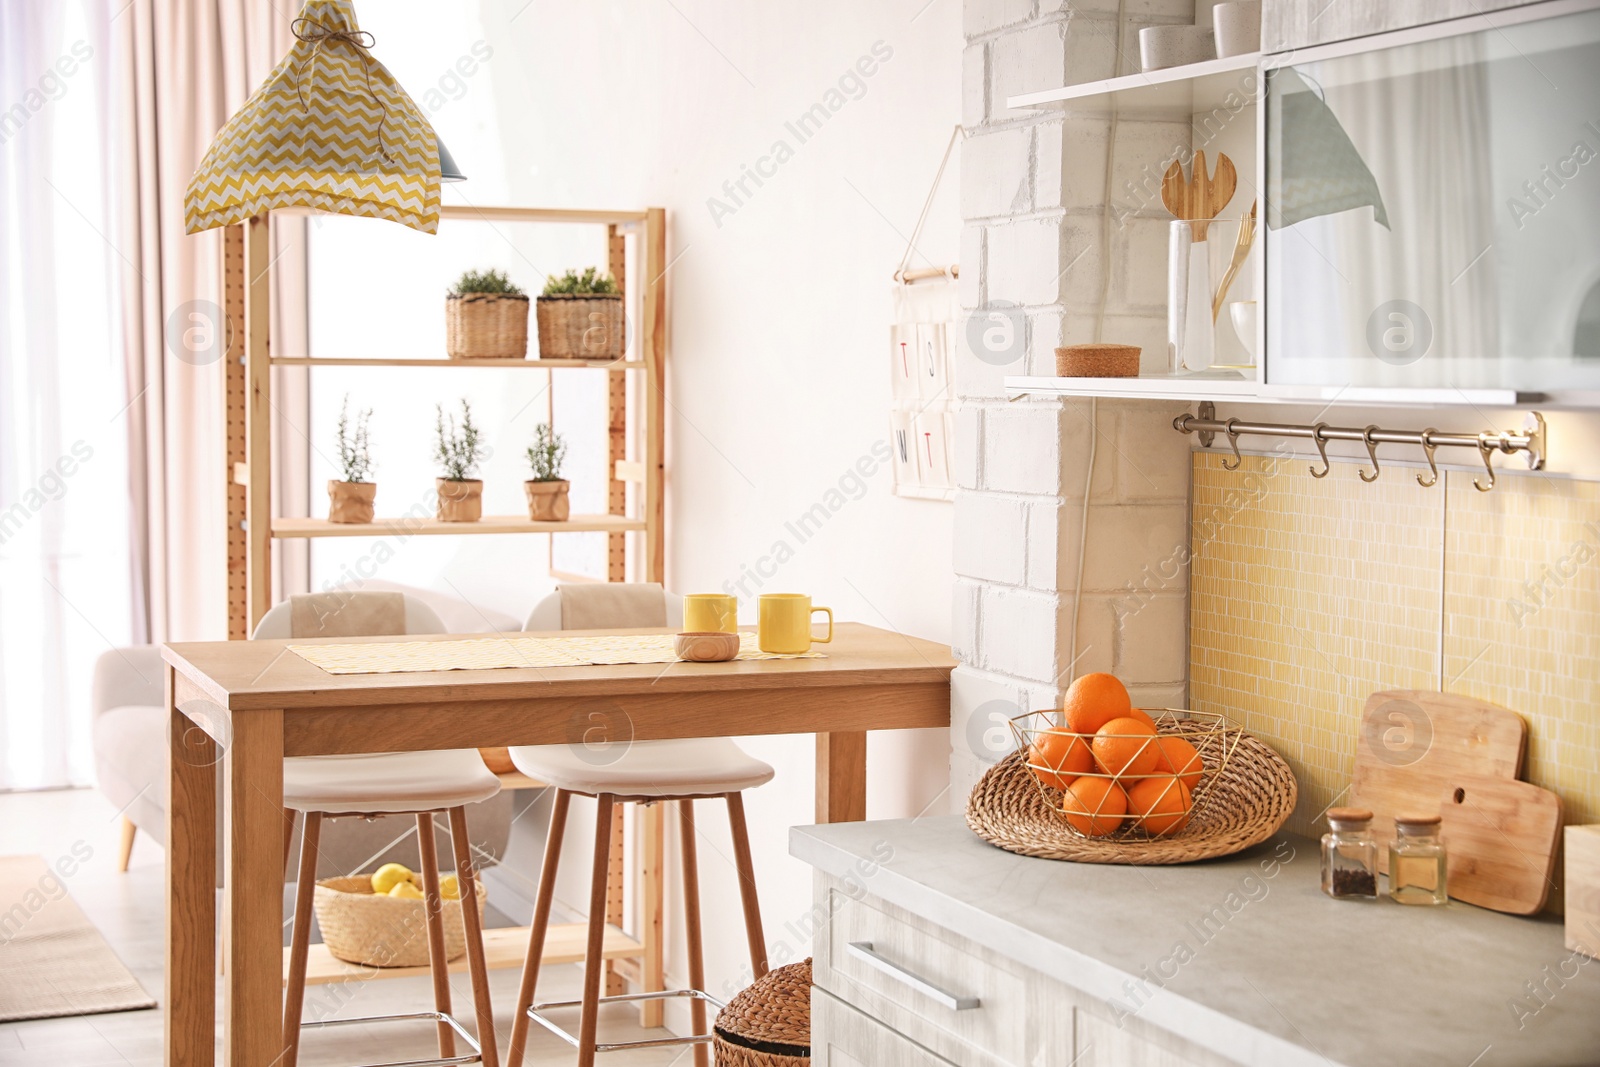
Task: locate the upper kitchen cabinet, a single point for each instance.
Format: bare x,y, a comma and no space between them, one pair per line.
1432,207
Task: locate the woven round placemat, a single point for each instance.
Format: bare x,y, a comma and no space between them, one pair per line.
1251,796
768,1024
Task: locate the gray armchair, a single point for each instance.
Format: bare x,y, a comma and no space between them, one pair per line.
131,759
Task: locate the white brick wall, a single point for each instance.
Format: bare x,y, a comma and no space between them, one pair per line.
1034,199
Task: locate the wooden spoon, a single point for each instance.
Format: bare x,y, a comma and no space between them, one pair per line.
1201,198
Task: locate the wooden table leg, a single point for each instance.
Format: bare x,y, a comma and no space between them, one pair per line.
842,777
191,1014
253,1034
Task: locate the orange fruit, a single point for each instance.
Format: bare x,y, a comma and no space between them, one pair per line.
1179,757
1163,803
1125,746
1057,757
1094,806
1092,701
1143,716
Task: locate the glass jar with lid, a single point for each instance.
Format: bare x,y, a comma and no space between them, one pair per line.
1349,855
1417,867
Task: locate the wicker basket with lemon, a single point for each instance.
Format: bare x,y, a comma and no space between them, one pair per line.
381,920
1105,782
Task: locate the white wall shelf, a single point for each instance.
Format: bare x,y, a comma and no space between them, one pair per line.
1215,387
1216,83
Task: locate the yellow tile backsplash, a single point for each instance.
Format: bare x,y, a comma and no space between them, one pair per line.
1522,621
1306,595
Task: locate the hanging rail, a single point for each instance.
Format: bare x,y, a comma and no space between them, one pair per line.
1530,441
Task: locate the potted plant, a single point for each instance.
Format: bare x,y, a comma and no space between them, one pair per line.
547,492
580,317
486,317
350,500
459,452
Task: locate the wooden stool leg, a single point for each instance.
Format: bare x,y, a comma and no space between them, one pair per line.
593,966
129,832
289,816
300,943
541,926
433,907
691,927
467,876
747,885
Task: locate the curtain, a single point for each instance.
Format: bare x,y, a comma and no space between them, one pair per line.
111,464
64,565
186,66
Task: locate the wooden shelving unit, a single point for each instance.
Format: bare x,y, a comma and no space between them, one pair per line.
636,456
635,453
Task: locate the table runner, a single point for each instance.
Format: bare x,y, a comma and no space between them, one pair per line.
495,653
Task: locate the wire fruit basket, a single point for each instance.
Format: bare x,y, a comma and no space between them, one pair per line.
1049,799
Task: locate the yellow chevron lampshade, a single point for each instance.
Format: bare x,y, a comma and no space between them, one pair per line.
330,129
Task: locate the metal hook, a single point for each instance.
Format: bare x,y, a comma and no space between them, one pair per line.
1233,439
1486,450
1372,450
1427,450
1322,449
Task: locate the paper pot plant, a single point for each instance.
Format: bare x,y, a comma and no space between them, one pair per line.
350,499
581,317
459,451
486,317
547,492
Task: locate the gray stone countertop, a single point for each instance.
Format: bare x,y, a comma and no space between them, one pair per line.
1245,955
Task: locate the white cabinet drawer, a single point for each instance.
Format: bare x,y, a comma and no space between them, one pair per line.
843,1037
968,1005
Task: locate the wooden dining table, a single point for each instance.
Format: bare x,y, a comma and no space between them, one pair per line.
245,705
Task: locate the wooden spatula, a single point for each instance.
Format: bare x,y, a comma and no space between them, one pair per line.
1202,197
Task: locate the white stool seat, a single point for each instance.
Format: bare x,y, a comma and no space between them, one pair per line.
390,783
701,766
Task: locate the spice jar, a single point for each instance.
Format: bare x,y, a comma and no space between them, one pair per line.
1349,855
1417,866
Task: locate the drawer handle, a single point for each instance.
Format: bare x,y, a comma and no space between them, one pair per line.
863,951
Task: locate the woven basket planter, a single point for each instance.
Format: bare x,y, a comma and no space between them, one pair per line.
486,326
1246,793
360,926
582,326
768,1024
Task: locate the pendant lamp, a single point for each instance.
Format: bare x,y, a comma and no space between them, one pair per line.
330,129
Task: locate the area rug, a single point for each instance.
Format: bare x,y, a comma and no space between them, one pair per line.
53,962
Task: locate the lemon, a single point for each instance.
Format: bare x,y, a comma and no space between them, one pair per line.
385,878
406,891
449,888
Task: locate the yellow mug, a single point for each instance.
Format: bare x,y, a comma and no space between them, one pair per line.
710,613
784,624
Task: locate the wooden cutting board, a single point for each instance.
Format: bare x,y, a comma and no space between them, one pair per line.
1500,841
1413,747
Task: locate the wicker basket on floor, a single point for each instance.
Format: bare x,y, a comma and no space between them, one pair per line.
375,930
769,1023
588,326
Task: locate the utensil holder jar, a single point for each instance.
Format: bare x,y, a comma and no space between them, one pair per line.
1200,331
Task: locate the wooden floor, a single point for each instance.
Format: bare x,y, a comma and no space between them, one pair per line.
128,909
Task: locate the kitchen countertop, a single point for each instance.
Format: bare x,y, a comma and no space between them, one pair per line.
1245,955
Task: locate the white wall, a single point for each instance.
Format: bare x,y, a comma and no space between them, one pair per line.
778,317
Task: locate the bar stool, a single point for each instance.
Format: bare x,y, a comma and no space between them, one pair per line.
646,772
404,783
